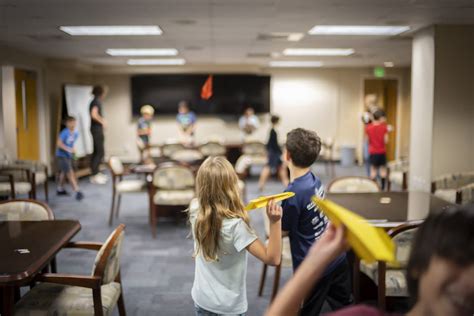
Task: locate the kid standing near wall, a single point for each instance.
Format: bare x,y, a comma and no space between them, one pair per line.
64,154
222,237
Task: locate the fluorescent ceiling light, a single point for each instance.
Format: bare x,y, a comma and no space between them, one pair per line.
165,62
318,51
142,52
112,30
388,64
296,63
295,37
357,30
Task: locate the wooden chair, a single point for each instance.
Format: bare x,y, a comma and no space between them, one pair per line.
353,184
7,185
121,185
327,157
27,210
212,148
68,294
24,180
189,156
286,260
171,189
40,172
168,149
253,154
397,173
389,279
454,187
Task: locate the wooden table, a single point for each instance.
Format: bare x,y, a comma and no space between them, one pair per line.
26,248
390,209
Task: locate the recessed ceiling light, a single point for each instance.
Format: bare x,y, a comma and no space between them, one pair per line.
388,64
112,30
165,62
295,63
318,51
357,30
142,51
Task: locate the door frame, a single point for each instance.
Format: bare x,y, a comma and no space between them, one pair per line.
399,79
43,111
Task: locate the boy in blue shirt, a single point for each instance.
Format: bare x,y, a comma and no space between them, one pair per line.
64,154
304,223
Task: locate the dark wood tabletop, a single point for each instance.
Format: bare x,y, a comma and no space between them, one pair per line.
27,247
390,208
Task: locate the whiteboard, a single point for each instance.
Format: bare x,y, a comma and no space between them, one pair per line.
78,99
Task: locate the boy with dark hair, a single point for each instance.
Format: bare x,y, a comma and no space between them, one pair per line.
64,154
377,134
304,223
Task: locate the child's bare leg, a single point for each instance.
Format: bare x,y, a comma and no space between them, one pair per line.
373,172
72,180
263,177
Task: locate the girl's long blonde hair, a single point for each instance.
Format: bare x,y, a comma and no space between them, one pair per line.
219,198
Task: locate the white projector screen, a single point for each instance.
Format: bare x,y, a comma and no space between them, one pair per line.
78,98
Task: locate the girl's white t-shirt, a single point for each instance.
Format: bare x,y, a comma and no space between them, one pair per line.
220,286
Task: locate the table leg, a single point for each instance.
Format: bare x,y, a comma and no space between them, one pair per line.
8,300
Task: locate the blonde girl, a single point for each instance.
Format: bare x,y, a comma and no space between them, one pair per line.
222,237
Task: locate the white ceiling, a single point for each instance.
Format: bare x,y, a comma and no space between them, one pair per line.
223,31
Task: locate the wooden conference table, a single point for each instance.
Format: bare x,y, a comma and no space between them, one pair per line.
26,248
390,209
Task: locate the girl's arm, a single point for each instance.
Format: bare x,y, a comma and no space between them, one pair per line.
270,254
325,250
63,146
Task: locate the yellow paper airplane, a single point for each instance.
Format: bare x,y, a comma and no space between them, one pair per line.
263,200
369,243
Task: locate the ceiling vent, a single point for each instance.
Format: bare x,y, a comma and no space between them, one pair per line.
258,55
47,38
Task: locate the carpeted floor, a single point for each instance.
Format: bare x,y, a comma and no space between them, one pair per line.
157,273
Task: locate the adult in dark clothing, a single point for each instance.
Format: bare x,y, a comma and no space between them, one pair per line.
97,130
274,164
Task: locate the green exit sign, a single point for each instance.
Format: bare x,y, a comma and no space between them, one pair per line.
379,72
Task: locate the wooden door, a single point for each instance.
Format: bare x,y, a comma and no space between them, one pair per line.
26,115
387,94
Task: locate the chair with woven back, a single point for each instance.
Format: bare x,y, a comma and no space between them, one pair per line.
171,190
121,185
212,148
26,210
68,294
353,184
24,179
171,147
254,153
390,279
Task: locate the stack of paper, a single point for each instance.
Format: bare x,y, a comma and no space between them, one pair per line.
369,243
263,200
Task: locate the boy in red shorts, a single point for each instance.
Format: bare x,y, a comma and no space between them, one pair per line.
377,134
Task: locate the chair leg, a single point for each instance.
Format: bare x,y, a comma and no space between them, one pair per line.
111,217
262,280
276,281
54,267
153,220
121,304
46,195
119,198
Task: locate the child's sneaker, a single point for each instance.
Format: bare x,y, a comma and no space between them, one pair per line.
61,192
79,195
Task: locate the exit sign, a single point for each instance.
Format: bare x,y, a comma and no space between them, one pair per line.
379,72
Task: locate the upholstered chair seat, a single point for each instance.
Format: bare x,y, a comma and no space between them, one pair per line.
353,185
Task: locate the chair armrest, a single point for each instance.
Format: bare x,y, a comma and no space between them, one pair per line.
89,245
91,282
